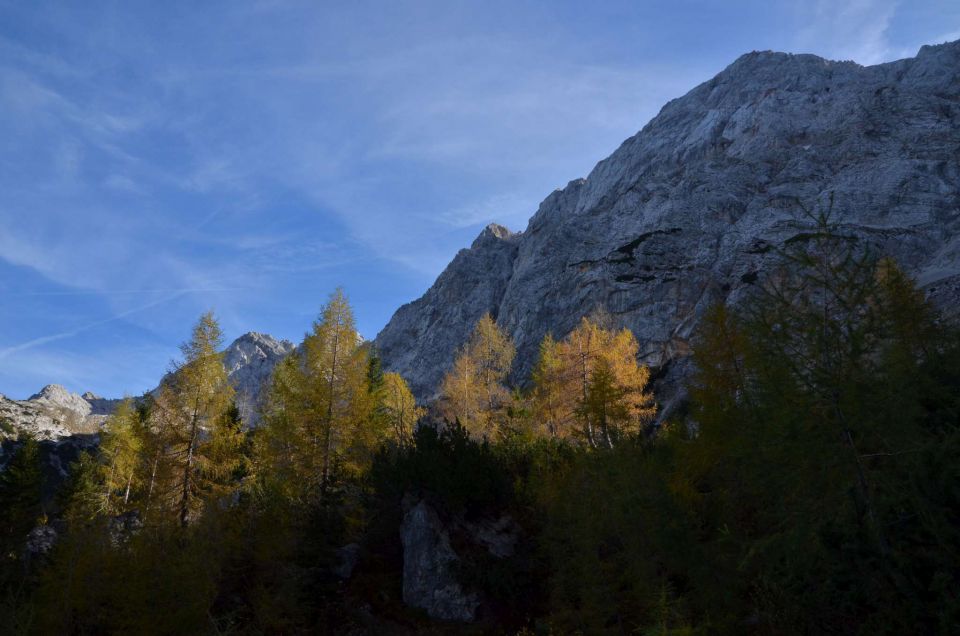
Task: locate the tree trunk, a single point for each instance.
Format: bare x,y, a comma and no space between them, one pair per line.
153,477
325,478
188,474
862,483
126,494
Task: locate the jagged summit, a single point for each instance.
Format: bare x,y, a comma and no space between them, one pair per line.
687,211
57,396
50,391
493,233
260,339
683,214
55,412
249,361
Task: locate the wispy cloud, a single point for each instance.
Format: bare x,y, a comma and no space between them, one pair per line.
855,30
70,333
121,292
506,208
128,369
250,156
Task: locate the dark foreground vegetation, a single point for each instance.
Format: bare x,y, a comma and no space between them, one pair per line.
811,485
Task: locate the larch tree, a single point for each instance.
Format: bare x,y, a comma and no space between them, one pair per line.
460,393
121,450
590,385
284,453
337,367
196,440
474,390
493,352
400,408
320,413
550,409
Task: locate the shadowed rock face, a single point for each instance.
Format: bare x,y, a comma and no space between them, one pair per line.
690,211
422,337
429,566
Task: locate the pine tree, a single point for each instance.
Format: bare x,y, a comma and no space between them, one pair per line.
82,496
810,405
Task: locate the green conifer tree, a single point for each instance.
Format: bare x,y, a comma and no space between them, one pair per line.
21,495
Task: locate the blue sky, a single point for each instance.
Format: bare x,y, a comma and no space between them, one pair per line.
158,159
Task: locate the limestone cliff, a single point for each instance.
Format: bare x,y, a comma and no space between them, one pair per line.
689,210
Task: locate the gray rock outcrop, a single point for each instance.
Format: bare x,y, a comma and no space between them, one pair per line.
432,565
347,558
40,541
249,361
690,210
123,527
53,413
429,565
426,333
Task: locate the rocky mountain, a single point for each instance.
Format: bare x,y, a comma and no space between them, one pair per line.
55,413
249,361
688,211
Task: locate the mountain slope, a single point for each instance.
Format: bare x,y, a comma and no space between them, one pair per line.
55,413
687,212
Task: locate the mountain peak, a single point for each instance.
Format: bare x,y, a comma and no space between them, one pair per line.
256,340
689,211
493,233
52,393
249,361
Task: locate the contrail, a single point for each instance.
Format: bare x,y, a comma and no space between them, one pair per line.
123,292
69,334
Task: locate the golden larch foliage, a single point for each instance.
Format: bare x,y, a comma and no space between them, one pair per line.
473,391
590,386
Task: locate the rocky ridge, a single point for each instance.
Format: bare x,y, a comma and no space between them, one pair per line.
56,413
691,210
53,413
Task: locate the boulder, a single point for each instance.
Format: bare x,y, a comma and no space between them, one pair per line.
429,566
347,558
40,541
